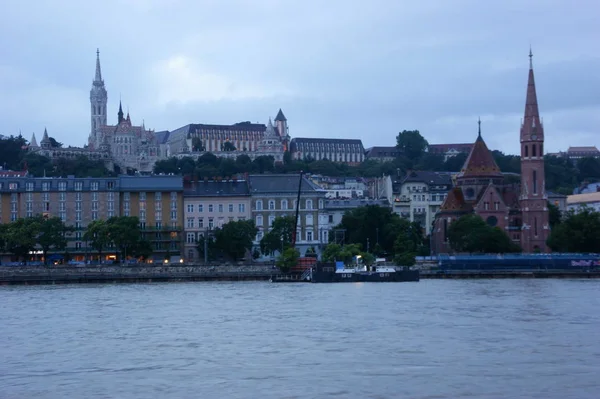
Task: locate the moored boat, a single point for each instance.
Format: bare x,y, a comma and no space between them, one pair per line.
330,273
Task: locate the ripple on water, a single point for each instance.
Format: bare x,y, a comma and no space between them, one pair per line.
432,339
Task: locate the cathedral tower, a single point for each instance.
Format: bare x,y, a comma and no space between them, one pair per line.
533,199
98,101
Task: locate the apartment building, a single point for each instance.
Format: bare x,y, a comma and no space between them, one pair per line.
210,204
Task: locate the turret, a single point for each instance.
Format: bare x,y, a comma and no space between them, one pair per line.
98,101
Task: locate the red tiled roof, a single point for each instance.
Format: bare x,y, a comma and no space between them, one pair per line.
480,162
455,202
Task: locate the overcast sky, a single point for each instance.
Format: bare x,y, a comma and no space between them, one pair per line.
340,69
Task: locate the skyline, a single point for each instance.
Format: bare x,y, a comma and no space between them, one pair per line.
341,73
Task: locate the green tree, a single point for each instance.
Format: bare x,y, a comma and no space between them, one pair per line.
280,236
455,163
412,144
97,235
288,259
143,249
228,146
555,215
124,232
197,145
235,238
54,143
210,245
20,237
578,232
470,233
51,234
12,149
589,168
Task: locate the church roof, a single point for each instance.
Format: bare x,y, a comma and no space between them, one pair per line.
33,143
280,116
45,138
455,202
480,162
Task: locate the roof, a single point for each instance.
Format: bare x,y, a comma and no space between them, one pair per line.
444,148
310,140
480,162
151,183
382,151
430,178
280,116
455,202
162,136
287,183
13,173
223,188
583,149
583,198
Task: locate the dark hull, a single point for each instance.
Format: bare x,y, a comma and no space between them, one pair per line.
359,277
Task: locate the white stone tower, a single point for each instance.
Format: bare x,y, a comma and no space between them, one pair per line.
98,102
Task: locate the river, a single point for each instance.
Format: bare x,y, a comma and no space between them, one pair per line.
433,339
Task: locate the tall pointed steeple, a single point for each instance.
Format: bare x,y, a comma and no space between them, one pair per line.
33,143
480,163
120,113
98,77
532,125
45,143
98,103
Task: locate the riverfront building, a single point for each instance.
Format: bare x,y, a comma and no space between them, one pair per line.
209,204
156,200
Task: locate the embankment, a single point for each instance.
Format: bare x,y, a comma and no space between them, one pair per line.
132,273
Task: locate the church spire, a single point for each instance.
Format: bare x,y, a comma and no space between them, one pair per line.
479,128
98,77
531,120
120,114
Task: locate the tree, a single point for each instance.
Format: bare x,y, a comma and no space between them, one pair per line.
51,234
97,235
343,253
589,168
235,238
280,236
470,233
20,237
143,249
412,144
555,215
54,143
12,150
210,245
197,145
288,259
228,146
124,232
579,231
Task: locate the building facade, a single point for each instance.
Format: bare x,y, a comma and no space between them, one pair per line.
578,201
210,204
521,211
449,150
349,151
276,195
382,154
156,200
419,195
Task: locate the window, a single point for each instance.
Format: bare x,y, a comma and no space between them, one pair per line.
201,223
62,186
173,215
533,150
486,206
111,206
29,197
143,215
211,223
13,186
230,208
46,186
259,220
94,186
157,206
94,196
78,216
94,215
142,196
200,208
284,204
190,208
158,196
29,207
526,151
497,206
534,183
271,205
242,208
309,204
330,218
62,206
29,186
110,185
126,196
173,205
220,208
210,208
78,186
309,236
190,255
158,224
190,223
62,196
158,215
535,227
259,236
190,238
271,220
173,196
321,204
541,150
259,205
309,220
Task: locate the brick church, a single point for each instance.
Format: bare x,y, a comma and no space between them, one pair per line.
520,210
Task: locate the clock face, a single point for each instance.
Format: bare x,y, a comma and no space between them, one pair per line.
534,136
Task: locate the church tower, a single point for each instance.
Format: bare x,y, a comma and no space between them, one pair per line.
98,102
533,200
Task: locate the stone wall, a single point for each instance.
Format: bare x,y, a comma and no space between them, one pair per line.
134,273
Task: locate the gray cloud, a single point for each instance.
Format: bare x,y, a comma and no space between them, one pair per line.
362,71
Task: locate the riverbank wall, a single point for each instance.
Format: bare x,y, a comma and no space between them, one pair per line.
496,274
31,275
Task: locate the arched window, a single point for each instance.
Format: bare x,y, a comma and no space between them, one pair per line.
309,204
284,204
259,220
271,205
535,229
534,181
526,151
259,205
541,150
309,220
533,150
